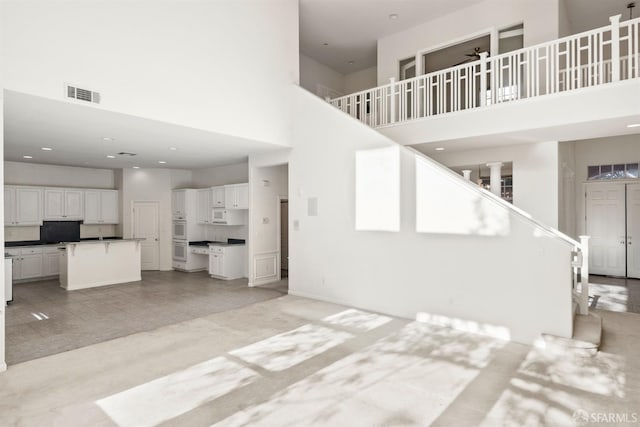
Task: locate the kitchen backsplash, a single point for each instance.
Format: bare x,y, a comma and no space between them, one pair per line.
224,232
18,234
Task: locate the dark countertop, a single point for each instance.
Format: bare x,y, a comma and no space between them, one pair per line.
40,243
229,242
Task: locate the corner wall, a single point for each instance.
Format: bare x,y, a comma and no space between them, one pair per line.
497,282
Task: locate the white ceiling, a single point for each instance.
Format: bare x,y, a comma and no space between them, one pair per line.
352,27
586,15
76,132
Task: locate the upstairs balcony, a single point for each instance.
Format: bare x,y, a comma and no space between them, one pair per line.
568,65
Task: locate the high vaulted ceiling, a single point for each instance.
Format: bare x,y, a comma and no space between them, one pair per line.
352,27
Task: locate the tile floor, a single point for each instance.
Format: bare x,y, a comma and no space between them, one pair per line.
615,294
45,319
292,361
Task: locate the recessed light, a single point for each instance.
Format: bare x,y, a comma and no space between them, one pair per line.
440,149
108,138
172,148
27,157
46,149
352,62
136,167
393,16
111,157
634,125
162,162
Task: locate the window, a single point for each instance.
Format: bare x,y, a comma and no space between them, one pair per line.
616,171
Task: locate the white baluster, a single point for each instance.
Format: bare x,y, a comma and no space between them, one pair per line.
615,48
584,276
483,78
392,100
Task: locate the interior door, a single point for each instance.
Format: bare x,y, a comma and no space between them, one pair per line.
146,225
605,212
633,231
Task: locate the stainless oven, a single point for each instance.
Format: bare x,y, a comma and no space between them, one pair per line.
179,230
180,250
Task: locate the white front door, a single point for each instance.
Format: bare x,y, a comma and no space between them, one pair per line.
605,212
146,225
633,231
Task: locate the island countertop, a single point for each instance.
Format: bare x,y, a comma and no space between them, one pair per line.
97,242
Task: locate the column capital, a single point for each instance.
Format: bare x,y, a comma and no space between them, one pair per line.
495,164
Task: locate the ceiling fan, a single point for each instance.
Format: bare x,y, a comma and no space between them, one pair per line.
471,56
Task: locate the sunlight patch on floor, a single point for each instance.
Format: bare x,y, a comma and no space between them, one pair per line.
612,297
164,398
357,319
408,378
285,350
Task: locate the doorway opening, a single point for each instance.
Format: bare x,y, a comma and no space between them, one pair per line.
284,238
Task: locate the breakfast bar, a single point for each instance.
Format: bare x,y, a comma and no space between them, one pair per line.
89,264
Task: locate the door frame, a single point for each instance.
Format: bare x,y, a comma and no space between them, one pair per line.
133,227
280,198
624,182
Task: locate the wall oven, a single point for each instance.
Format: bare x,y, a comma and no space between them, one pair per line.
179,230
180,250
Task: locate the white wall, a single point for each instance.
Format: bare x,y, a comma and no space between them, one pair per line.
361,80
313,73
152,185
564,24
220,175
540,24
213,65
600,151
535,174
267,185
19,173
567,188
495,280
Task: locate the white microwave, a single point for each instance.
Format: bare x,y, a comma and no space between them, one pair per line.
179,230
228,217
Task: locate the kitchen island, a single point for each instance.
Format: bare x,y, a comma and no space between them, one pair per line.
93,263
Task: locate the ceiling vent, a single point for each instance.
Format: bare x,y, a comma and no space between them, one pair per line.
81,94
124,153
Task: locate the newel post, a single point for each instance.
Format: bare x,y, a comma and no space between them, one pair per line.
584,276
615,48
392,100
483,78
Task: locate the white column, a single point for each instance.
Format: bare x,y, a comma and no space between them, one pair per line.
495,177
615,47
467,174
584,276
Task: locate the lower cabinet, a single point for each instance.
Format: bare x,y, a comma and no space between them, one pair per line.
227,262
35,262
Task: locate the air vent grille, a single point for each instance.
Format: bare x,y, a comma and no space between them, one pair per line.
124,153
81,94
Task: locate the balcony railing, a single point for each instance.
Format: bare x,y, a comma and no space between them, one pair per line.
592,58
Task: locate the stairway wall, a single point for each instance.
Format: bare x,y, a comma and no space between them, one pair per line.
473,258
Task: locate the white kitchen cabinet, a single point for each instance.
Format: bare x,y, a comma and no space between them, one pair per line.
203,206
179,204
217,197
27,262
236,196
22,206
227,262
101,206
63,204
51,261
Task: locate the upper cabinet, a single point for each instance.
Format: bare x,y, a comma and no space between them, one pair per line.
63,204
203,209
179,204
217,197
101,206
236,196
22,206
